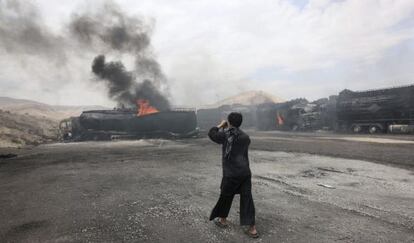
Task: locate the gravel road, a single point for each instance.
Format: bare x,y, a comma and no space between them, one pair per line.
307,188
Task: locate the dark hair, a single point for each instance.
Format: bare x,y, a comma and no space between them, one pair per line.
235,119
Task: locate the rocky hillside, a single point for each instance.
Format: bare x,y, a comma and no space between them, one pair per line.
17,130
27,122
52,112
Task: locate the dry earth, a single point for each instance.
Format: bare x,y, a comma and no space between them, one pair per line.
27,122
17,130
307,188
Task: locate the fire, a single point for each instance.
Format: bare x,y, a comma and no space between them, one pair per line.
144,108
280,120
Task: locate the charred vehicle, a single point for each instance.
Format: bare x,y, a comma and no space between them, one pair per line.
373,111
281,116
376,110
127,123
318,115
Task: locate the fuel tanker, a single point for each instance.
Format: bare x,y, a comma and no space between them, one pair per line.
124,123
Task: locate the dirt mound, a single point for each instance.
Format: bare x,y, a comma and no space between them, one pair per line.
248,98
20,129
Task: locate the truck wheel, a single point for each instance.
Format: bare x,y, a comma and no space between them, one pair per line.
373,129
356,129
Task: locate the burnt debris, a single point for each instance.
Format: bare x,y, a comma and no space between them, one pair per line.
7,156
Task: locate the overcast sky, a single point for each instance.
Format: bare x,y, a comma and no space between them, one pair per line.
212,49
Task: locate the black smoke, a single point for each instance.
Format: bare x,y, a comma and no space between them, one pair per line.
122,86
122,34
104,30
23,31
113,28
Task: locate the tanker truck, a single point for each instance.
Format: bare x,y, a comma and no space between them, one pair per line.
376,111
126,123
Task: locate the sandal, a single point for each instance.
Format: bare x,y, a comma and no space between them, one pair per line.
220,224
254,236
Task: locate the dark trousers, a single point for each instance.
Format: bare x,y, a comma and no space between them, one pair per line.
229,187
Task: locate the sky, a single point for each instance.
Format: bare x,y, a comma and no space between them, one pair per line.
211,49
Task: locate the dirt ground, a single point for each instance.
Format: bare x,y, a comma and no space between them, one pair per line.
307,187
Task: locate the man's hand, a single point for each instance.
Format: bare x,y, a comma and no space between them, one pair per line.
223,124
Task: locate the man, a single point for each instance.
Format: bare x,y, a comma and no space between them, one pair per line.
236,173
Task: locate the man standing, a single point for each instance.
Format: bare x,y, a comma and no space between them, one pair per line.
236,173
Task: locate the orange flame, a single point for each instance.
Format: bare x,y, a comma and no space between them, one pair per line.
144,108
280,120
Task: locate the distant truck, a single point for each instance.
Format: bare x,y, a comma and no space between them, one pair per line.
373,111
114,124
376,111
297,115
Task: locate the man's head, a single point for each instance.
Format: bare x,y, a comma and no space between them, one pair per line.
235,119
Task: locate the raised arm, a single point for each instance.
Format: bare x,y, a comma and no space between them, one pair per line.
216,135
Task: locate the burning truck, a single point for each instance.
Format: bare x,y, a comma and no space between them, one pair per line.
145,122
148,113
141,91
373,111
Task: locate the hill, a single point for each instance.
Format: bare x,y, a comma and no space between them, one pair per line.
254,97
19,129
28,122
42,110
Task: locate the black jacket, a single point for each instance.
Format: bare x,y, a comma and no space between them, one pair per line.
235,145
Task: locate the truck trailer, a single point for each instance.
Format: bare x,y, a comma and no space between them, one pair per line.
124,123
376,111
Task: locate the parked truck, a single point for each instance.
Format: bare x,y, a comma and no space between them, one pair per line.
376,111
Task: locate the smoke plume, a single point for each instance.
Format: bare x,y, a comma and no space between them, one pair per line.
113,28
22,31
122,86
104,31
122,34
